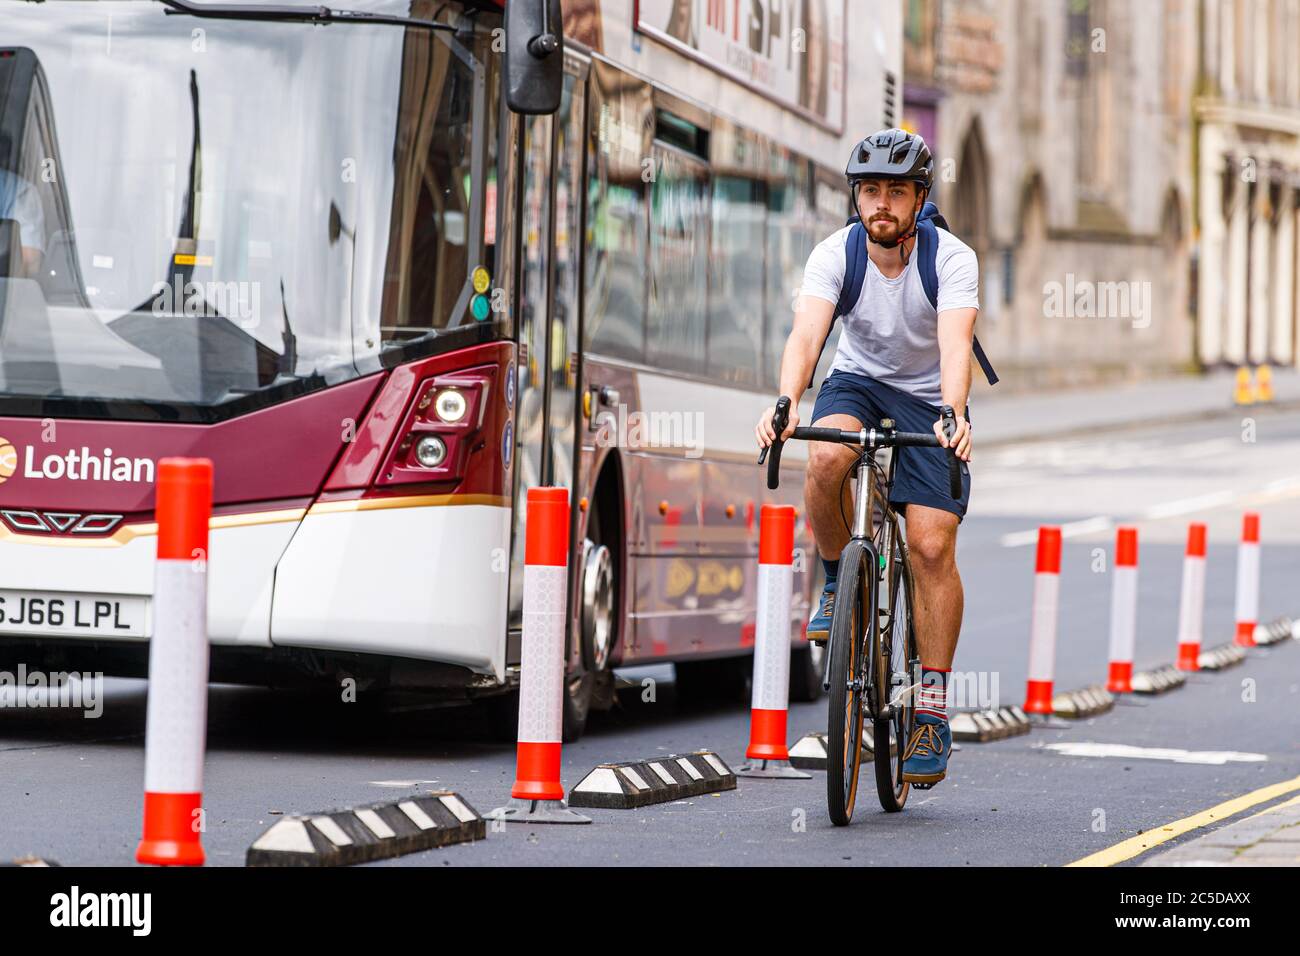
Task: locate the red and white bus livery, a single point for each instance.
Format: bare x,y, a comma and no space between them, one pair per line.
333,261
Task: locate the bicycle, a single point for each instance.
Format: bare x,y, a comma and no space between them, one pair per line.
879,666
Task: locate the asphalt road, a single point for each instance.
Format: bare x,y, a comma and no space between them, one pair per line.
70,787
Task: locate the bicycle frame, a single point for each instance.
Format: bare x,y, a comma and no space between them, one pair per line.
862,531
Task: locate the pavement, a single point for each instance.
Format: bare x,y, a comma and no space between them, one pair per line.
1003,417
1268,838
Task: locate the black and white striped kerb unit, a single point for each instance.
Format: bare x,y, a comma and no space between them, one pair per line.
1275,631
626,786
982,726
1087,702
373,832
1158,680
1224,655
809,752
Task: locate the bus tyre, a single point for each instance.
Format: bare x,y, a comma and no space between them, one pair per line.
591,684
807,671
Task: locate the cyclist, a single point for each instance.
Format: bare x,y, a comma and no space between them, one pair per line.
901,358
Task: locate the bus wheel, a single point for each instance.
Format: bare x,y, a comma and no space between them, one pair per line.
591,685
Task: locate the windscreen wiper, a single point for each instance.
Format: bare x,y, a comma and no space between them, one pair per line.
302,14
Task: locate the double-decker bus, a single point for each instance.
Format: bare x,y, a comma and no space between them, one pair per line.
329,257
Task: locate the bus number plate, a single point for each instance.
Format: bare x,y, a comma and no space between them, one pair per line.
54,613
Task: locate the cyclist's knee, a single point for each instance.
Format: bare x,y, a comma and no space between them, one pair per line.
827,464
932,548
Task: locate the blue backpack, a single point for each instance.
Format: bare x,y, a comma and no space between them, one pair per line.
927,251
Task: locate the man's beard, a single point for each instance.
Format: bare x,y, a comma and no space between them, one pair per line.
885,230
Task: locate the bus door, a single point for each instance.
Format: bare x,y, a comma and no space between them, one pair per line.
550,277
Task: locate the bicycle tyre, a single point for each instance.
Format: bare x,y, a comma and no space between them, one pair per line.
895,636
850,630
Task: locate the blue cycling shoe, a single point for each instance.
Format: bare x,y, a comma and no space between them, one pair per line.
819,627
925,762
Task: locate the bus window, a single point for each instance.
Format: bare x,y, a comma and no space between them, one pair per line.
437,216
791,236
679,236
736,281
617,225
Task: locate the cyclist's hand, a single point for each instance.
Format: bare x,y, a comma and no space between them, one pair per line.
961,437
764,431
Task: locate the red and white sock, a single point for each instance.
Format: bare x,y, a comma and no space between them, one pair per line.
932,698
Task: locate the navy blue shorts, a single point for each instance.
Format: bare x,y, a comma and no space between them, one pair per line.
922,473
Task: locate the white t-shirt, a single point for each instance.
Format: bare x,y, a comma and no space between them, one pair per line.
892,334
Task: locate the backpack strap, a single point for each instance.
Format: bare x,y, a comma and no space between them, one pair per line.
855,273
927,252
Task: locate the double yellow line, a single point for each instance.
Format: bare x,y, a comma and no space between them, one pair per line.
1152,838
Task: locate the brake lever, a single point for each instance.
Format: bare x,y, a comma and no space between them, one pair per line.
780,419
949,418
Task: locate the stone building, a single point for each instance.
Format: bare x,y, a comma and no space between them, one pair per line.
1063,131
1247,120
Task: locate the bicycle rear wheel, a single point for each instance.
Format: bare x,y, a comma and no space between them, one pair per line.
896,664
851,627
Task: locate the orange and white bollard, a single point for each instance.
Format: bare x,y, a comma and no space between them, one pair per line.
1042,628
176,722
537,796
767,750
1248,580
1123,612
1191,611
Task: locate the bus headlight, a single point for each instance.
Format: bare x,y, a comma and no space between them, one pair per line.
430,451
450,405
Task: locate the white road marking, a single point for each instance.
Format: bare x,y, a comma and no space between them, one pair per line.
1071,529
1282,484
1212,757
1184,506
399,783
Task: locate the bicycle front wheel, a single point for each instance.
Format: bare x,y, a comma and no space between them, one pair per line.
852,625
897,670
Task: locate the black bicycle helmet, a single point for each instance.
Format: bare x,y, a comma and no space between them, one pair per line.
892,154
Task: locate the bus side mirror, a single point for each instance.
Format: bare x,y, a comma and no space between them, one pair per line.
534,56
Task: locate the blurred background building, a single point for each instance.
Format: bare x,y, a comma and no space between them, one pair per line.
1127,172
